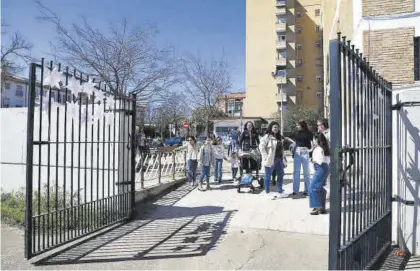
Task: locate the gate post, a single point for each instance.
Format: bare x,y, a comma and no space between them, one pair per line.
29,162
335,187
133,154
159,167
174,165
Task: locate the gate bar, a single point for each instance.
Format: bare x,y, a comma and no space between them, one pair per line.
335,203
29,162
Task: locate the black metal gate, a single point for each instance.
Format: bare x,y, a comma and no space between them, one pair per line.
361,166
80,158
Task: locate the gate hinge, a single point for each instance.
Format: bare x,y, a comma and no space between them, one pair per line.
403,201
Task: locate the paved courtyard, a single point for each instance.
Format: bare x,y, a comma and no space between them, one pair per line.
191,229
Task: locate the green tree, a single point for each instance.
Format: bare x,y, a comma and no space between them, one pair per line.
296,113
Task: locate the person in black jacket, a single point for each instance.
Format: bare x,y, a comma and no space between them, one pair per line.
303,144
249,140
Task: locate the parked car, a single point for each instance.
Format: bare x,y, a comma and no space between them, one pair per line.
174,141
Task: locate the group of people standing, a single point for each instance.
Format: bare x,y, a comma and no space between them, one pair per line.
303,144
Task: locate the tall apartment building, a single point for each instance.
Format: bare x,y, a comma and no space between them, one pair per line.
283,56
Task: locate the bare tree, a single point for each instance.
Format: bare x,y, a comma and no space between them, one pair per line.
13,53
173,110
203,82
125,58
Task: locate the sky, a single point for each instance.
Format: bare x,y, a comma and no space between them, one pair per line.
211,28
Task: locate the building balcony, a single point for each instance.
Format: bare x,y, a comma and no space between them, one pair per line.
281,80
281,44
281,61
281,97
280,3
280,27
281,11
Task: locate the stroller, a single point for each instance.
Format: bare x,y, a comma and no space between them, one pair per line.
250,161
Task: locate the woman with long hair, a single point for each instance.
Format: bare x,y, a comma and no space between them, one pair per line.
271,148
303,143
193,150
321,159
249,139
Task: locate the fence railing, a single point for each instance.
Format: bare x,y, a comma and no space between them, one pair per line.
157,168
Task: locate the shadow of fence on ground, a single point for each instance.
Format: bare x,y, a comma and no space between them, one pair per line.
159,231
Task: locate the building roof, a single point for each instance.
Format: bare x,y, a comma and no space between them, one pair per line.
238,95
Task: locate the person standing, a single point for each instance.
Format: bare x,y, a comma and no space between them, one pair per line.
321,160
248,140
219,154
323,127
303,143
192,155
234,163
206,160
235,139
271,148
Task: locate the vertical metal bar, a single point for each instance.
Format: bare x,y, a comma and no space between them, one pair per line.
335,205
185,163
384,142
90,206
363,137
65,218
97,212
159,167
174,165
357,129
103,165
57,139
343,112
370,141
142,171
41,94
29,162
389,153
79,142
133,156
113,208
352,135
49,163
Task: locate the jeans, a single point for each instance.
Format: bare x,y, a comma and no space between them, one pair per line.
218,170
301,158
205,173
192,170
279,167
317,192
234,172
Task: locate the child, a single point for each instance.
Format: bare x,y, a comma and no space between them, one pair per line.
234,163
321,160
218,152
206,160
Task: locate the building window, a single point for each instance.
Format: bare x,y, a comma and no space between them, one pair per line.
299,46
6,85
318,62
298,29
300,78
317,12
281,19
281,54
417,58
281,37
318,28
281,73
298,14
19,91
318,44
319,78
299,62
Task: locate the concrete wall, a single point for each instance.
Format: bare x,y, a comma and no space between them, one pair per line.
406,170
91,156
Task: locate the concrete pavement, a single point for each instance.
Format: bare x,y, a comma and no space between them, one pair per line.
191,229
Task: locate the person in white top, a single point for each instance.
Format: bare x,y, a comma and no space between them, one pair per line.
321,160
234,164
219,154
193,150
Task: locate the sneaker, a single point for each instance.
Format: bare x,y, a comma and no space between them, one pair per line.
282,195
200,187
208,187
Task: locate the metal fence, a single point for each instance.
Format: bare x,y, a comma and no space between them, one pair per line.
156,168
361,164
80,163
